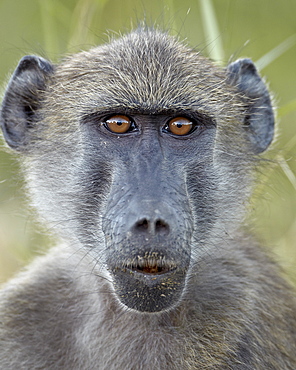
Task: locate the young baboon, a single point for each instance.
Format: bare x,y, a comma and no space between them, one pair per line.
139,153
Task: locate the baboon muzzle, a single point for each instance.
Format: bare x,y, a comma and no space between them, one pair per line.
148,235
148,257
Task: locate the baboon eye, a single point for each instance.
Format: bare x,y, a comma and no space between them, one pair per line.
119,124
179,126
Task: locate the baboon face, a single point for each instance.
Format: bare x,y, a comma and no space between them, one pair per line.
139,151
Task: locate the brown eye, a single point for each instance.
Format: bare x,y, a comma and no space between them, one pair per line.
180,126
119,124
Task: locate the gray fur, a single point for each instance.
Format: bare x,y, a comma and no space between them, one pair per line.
128,205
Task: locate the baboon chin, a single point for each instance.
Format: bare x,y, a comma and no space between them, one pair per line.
140,155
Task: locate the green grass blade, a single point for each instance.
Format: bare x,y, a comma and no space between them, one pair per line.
211,31
287,171
276,52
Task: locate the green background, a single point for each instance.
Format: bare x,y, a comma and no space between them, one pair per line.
264,30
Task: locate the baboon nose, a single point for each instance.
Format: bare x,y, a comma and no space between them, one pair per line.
157,226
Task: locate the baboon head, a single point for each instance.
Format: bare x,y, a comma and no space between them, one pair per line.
139,151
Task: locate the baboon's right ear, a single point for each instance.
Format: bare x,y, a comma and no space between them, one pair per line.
22,99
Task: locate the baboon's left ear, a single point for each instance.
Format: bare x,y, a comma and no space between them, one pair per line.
22,99
259,119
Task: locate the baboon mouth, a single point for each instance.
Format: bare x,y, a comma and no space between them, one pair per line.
150,282
152,270
150,265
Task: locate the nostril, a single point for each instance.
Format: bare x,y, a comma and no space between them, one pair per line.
161,227
142,224
155,227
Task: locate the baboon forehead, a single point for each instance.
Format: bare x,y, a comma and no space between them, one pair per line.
145,69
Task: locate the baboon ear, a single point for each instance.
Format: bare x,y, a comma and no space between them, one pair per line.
22,99
259,120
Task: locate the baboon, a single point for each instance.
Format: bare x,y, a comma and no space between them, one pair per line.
140,155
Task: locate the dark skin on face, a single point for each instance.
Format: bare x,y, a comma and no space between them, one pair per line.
151,237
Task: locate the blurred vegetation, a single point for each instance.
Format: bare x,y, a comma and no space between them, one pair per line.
224,30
